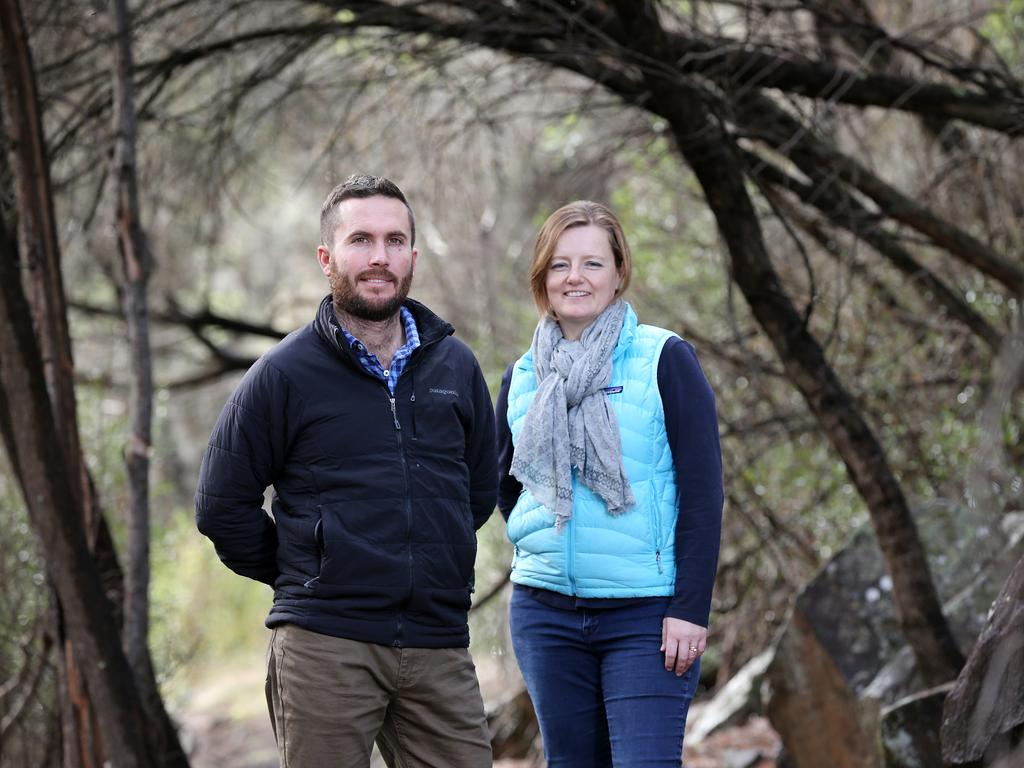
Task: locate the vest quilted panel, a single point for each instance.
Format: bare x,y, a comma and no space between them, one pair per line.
597,554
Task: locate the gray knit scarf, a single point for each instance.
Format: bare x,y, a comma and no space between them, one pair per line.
570,421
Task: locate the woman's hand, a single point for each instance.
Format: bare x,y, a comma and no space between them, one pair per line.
682,643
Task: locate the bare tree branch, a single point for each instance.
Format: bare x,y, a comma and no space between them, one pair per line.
843,210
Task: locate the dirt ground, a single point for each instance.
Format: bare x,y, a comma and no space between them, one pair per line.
225,725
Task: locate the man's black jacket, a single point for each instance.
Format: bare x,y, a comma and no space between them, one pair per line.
376,499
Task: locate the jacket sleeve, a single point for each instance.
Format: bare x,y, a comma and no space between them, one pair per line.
692,426
480,451
244,456
509,487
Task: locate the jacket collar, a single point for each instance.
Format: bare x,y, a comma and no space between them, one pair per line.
430,327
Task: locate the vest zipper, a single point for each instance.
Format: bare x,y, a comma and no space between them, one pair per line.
656,514
570,563
570,545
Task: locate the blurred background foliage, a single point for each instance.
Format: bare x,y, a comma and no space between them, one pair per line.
485,147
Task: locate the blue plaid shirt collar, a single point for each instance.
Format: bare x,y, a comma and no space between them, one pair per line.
369,361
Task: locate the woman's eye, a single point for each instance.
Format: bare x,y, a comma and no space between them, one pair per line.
559,266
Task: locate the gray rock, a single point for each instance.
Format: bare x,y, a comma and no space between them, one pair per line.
736,701
741,758
849,605
841,661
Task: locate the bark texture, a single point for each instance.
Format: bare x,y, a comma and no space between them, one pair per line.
987,701
36,452
100,725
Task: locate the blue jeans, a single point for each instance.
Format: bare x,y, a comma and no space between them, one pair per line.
599,685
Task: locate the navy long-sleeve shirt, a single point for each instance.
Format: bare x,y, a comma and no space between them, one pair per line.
692,427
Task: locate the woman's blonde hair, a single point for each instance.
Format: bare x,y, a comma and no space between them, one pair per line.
579,213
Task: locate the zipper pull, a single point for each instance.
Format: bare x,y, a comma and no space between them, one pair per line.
657,557
394,413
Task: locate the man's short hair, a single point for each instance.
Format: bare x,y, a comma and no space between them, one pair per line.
359,185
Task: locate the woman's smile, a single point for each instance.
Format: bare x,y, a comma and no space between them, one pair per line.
582,279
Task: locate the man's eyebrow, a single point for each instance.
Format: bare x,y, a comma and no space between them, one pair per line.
364,233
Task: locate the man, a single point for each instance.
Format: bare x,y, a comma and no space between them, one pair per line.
375,428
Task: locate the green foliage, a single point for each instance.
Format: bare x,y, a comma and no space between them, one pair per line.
1004,27
228,236
202,613
25,601
488,624
24,596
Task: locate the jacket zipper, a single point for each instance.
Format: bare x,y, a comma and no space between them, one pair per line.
394,415
408,505
412,399
401,454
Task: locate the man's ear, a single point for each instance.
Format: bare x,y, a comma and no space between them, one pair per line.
323,256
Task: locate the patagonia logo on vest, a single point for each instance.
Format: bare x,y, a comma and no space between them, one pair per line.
612,390
436,391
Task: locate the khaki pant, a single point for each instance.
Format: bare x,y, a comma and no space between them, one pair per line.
330,698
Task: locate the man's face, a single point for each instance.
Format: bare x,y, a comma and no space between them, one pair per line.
371,261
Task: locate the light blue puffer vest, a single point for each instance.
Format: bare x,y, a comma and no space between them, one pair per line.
597,554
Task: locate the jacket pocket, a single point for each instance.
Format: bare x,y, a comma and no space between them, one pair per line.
318,540
298,556
363,547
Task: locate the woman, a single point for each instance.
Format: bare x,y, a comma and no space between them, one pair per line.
612,490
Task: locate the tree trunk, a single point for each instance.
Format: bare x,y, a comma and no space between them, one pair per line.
37,454
136,266
41,263
40,257
716,162
136,263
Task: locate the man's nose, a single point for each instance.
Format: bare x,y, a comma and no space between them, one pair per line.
378,253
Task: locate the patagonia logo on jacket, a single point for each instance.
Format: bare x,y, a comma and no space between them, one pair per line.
436,391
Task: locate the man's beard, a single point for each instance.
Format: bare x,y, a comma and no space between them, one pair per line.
346,298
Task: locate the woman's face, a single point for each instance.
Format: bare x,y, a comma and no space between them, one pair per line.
582,278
